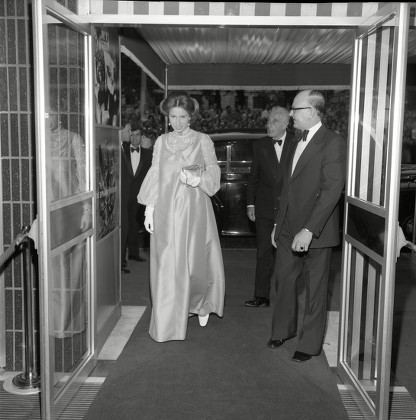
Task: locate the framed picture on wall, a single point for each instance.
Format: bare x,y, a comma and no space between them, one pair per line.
107,77
107,158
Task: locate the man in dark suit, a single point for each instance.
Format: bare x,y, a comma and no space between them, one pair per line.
135,162
307,227
263,192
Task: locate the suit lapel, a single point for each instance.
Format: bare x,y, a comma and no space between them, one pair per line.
141,163
270,155
287,147
126,157
311,149
289,155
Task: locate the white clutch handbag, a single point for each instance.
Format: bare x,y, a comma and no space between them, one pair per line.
195,170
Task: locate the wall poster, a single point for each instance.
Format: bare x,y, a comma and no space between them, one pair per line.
107,164
107,76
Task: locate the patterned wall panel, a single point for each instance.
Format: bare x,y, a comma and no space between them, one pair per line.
17,180
351,9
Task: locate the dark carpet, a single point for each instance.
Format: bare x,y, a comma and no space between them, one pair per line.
222,371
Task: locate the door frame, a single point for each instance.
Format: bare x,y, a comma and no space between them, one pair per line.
389,212
43,11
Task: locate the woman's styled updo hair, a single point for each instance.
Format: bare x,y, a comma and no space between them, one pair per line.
179,99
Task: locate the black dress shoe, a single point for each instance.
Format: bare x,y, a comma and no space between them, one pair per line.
275,344
301,357
139,259
125,271
258,302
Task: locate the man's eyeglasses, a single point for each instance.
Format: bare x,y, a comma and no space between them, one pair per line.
297,109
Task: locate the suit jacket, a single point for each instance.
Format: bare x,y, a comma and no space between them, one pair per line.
310,195
264,183
130,182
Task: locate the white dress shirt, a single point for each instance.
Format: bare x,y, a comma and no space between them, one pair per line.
135,159
302,144
278,148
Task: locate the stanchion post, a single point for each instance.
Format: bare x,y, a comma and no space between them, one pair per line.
30,378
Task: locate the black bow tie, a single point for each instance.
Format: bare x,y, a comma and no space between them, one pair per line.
132,150
305,135
279,142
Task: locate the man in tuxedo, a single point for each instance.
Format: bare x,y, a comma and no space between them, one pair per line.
135,162
307,227
263,192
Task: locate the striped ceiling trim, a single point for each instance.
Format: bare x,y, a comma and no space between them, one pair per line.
176,8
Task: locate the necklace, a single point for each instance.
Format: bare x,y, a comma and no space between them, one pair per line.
183,133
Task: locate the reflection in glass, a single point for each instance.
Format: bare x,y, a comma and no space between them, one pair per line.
366,228
70,304
221,152
235,204
65,106
65,142
363,319
242,152
70,221
67,160
241,158
372,130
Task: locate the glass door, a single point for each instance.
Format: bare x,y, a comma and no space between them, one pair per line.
65,201
371,207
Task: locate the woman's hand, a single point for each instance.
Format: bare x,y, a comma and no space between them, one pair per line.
148,219
86,219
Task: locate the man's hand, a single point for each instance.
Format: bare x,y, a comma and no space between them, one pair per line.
251,213
272,236
302,241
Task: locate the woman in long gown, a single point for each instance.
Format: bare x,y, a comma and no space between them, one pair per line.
186,266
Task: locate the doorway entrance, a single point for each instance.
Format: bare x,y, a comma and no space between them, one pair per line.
387,162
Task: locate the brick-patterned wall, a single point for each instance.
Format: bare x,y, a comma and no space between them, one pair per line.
17,163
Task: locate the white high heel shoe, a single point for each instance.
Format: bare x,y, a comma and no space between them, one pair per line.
203,320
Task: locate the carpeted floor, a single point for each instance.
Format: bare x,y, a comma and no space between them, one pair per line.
225,371
222,371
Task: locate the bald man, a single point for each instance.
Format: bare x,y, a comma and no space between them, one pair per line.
307,227
263,191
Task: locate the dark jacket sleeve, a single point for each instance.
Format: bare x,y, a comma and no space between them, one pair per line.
253,178
331,186
7,254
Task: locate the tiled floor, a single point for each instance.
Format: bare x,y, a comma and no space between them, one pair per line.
130,316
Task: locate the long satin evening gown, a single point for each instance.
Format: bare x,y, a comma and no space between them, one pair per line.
186,265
